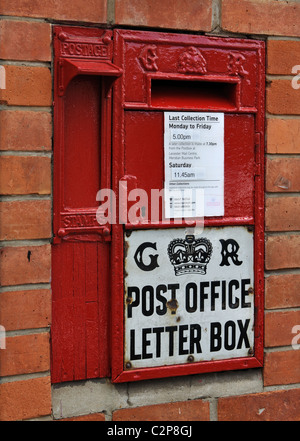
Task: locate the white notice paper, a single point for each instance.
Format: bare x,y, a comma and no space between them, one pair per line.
194,164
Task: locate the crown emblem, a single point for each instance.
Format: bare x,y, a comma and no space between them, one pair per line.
190,255
192,61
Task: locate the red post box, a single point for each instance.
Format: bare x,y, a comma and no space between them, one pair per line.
188,116
165,276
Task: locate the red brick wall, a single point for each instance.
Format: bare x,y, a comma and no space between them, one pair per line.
25,186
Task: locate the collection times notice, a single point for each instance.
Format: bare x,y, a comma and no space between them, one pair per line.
194,164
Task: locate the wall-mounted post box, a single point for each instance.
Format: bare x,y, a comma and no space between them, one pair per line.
188,115
177,284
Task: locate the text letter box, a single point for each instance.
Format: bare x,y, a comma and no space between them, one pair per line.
187,146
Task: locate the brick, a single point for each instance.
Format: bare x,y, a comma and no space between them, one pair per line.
283,136
282,214
283,174
271,17
77,10
282,99
25,220
90,417
27,86
21,265
25,130
282,55
282,252
21,175
25,309
267,406
173,14
282,291
278,327
194,410
25,354
21,400
23,40
282,367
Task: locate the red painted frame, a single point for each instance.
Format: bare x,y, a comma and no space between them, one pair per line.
98,53
124,86
71,61
83,80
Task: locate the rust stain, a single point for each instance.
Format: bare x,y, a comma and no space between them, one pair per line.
250,290
172,305
126,247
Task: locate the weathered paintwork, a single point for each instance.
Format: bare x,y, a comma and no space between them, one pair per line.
84,75
165,72
185,298
111,89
